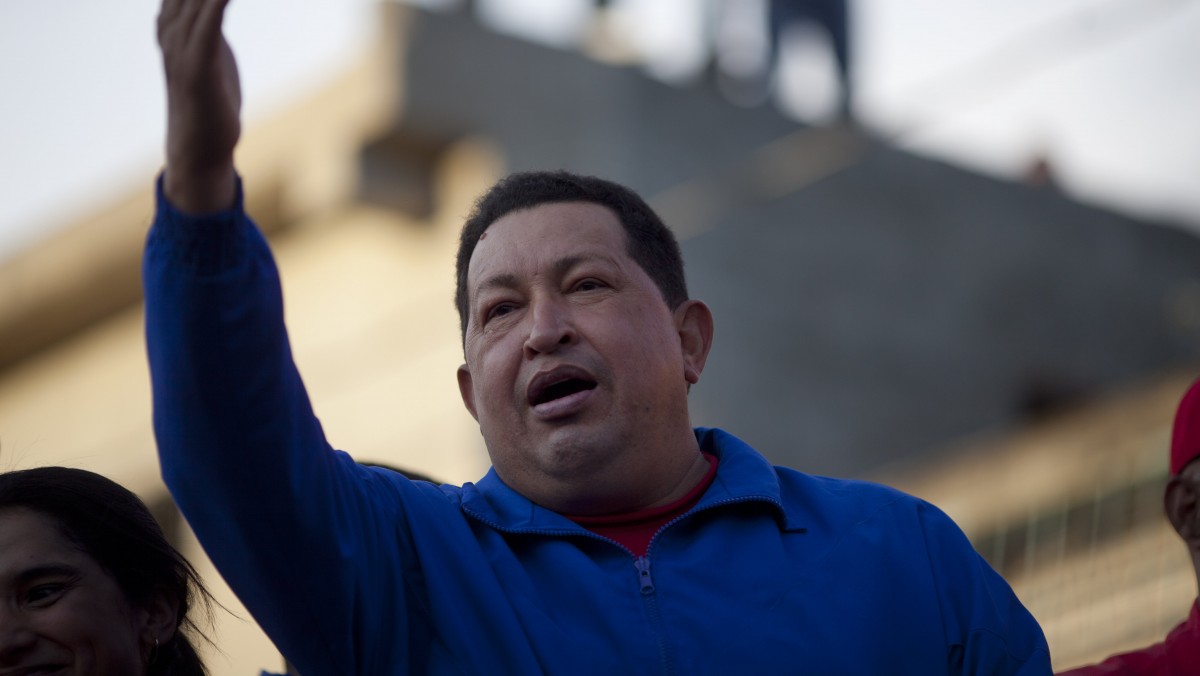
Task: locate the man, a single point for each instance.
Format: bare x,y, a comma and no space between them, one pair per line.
1179,654
609,537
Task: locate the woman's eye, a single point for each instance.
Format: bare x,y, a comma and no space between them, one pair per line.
44,594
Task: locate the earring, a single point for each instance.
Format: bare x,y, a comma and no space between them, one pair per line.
153,653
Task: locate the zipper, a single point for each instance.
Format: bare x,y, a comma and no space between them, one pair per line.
646,579
650,601
693,512
641,563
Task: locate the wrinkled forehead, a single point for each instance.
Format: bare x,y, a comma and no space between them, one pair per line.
532,241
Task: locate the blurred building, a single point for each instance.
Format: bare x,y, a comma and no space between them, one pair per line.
1069,508
997,348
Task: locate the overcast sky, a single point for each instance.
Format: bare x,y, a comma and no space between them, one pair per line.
1107,90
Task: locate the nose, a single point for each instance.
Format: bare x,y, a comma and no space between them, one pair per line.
550,328
16,638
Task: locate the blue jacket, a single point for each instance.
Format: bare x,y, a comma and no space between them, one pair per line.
356,570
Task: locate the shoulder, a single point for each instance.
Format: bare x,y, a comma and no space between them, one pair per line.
851,501
390,484
808,500
795,483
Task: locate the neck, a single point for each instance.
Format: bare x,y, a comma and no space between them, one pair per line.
691,476
621,491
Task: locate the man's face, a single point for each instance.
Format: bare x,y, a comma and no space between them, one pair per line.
576,369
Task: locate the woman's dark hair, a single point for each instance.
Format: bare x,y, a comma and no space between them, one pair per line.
114,527
649,242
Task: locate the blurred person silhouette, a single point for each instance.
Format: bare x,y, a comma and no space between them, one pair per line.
609,536
830,16
830,24
88,582
1179,653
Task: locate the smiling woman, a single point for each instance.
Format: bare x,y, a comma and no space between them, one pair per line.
88,582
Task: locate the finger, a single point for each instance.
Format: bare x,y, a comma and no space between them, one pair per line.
233,84
210,15
187,18
168,14
169,11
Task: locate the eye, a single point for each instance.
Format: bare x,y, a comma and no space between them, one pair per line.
499,310
588,284
44,594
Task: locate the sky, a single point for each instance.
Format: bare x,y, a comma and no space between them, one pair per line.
1106,90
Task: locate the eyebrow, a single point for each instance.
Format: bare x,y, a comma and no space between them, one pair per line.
46,570
502,281
507,280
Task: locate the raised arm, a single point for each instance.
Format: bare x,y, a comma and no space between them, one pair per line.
285,518
203,103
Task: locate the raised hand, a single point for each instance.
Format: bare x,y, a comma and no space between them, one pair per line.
204,100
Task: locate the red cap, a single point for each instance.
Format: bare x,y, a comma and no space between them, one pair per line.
1185,439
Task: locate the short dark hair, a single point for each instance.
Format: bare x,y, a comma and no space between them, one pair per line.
113,526
649,242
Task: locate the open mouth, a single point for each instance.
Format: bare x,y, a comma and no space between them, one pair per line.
559,383
561,389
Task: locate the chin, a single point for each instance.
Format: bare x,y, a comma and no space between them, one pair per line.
568,452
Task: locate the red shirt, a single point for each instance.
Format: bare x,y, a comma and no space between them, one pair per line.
636,529
1178,655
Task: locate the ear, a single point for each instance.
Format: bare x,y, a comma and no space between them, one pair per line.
467,390
694,322
1181,503
160,620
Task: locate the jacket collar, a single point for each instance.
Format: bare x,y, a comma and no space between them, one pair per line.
743,475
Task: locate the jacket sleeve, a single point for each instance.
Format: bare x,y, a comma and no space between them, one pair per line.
988,630
289,522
